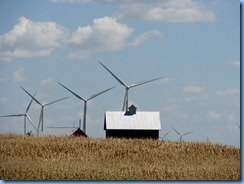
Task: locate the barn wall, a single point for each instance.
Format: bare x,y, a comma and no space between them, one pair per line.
153,134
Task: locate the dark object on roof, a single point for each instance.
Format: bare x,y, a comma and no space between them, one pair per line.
132,110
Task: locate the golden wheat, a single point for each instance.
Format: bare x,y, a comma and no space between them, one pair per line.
74,158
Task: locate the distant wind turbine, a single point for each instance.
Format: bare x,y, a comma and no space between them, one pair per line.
127,87
181,135
42,108
85,102
25,116
163,138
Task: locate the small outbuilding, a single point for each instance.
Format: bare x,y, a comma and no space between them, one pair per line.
132,124
60,131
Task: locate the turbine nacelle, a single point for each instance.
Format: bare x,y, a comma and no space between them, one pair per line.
127,87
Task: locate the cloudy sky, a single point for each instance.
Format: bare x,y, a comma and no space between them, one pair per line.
194,44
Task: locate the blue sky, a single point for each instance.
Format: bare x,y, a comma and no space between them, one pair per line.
194,44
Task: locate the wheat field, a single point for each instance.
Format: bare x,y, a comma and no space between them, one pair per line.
75,158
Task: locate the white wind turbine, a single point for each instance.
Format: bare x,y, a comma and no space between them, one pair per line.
25,116
163,138
42,108
181,135
127,87
85,103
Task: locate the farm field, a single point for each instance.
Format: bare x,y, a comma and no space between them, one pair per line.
74,158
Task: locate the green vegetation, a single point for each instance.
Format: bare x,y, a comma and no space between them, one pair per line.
75,158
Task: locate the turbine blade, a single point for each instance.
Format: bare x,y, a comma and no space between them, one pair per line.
27,109
176,131
56,101
73,92
28,117
118,79
187,133
13,115
143,82
97,94
32,97
166,134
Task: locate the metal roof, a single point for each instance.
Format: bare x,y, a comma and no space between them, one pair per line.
117,120
60,131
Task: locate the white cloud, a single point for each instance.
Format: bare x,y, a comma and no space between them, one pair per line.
193,88
167,10
48,81
228,92
31,39
235,63
144,37
106,34
39,39
166,80
9,55
19,75
157,10
214,116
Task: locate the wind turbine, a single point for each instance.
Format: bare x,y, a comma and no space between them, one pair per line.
166,135
85,102
127,87
42,108
25,116
181,135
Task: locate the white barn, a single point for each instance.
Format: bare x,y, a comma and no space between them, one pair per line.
132,124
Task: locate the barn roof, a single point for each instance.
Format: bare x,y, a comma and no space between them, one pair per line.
62,131
118,120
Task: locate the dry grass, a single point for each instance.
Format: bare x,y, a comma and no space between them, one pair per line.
73,158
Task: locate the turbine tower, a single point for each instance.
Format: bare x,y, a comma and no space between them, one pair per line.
42,108
25,116
85,102
127,87
181,135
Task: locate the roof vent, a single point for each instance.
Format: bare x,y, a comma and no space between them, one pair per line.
132,110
